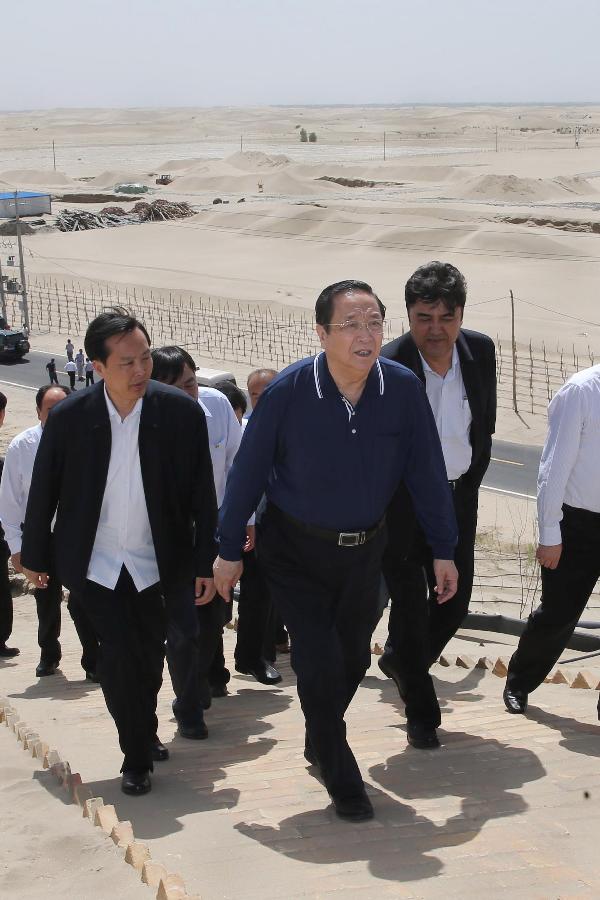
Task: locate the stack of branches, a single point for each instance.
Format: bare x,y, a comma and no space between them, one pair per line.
82,220
162,210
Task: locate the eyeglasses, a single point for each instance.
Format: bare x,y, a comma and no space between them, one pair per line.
354,326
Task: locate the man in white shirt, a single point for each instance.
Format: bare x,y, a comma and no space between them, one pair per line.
194,637
71,370
568,505
14,493
458,370
135,523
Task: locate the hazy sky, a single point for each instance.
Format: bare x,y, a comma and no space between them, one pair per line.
254,52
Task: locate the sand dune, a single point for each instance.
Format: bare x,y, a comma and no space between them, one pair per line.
24,179
510,187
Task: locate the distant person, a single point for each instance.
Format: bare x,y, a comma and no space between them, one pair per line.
71,370
256,383
51,369
6,601
14,495
135,522
568,505
457,368
69,347
80,363
89,372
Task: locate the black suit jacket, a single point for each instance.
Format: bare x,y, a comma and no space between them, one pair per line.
477,356
69,478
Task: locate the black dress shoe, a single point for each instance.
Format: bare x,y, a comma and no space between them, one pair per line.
218,690
263,672
356,808
91,676
423,737
44,668
159,751
8,652
515,701
136,782
386,665
194,732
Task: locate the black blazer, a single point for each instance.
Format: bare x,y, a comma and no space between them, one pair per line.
69,477
477,356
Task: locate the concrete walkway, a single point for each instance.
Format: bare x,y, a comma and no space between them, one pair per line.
509,805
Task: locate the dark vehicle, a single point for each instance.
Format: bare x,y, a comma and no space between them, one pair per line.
13,342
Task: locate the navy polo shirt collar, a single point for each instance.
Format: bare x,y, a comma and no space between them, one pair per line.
326,387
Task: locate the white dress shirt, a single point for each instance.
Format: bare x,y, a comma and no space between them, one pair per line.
452,413
123,536
569,469
224,435
16,481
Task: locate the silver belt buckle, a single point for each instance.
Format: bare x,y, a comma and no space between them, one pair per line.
351,538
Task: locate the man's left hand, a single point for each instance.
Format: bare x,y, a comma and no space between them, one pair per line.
446,579
250,538
204,591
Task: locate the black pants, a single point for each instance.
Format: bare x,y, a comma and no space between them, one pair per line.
85,633
327,596
53,378
255,632
565,592
47,601
89,378
72,380
419,627
6,601
193,635
131,628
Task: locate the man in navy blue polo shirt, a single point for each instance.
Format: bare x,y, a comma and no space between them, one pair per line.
329,443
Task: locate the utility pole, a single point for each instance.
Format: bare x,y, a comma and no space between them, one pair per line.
21,264
514,351
241,143
496,138
2,297
54,155
384,146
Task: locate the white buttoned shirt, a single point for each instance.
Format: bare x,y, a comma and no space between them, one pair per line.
16,481
569,468
123,536
452,413
224,435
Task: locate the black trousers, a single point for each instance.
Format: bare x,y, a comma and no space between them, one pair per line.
6,601
131,628
47,601
565,592
72,380
85,633
53,377
327,596
255,632
194,636
419,627
89,378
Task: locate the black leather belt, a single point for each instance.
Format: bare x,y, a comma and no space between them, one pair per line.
454,484
341,538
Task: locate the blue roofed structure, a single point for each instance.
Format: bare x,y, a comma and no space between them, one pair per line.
30,203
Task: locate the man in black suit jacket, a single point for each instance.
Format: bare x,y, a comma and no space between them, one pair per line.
125,466
458,369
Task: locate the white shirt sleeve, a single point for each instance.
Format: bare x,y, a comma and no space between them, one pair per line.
13,500
566,416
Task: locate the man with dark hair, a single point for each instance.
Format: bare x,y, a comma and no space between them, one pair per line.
328,443
144,513
6,601
236,397
195,634
14,493
458,370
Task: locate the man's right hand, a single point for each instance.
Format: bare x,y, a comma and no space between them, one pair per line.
16,562
227,575
548,555
37,579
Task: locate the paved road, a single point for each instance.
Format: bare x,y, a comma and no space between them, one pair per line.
513,468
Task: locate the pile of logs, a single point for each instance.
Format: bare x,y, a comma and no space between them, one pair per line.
162,210
111,216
